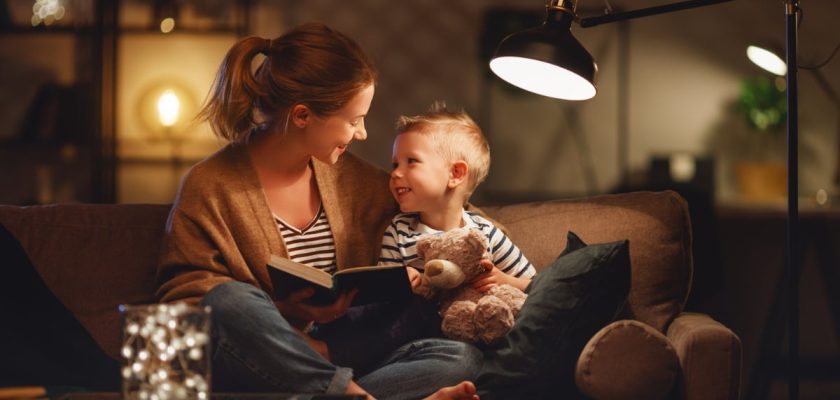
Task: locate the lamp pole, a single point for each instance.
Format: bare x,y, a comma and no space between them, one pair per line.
792,231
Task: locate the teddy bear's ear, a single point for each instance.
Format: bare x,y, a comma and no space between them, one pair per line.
477,238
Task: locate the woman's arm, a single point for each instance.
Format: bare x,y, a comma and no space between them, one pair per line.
190,264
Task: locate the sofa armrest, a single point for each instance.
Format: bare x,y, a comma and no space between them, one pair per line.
627,359
710,357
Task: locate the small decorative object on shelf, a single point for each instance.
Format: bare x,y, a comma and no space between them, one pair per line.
165,352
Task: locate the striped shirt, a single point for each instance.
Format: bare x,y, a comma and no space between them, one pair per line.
313,245
399,240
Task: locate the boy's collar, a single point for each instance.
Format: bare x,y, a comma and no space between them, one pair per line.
423,229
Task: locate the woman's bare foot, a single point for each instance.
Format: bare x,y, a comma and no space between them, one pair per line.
462,391
315,344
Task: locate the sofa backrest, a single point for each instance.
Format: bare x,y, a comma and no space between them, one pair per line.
93,258
656,223
96,257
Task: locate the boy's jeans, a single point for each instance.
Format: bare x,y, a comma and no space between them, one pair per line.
256,350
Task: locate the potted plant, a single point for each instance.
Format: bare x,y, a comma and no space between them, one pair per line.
763,105
751,139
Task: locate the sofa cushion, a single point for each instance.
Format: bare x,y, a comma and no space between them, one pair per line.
567,303
627,360
41,343
93,258
657,223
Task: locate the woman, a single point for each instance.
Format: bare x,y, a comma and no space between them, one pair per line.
284,186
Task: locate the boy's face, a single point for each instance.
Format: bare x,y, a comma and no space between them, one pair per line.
420,175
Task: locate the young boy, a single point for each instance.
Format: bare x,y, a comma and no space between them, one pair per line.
439,158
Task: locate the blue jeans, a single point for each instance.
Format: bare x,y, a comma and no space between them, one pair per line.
256,349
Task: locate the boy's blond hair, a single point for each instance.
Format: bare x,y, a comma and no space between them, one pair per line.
455,136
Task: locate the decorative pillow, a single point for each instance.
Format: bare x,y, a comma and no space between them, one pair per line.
568,302
41,342
627,359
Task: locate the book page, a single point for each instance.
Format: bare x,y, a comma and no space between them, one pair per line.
367,268
304,271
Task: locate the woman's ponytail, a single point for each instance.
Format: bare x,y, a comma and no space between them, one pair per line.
310,64
229,108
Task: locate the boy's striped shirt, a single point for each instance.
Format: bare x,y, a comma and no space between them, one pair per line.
400,239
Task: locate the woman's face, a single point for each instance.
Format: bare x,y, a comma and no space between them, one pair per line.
328,137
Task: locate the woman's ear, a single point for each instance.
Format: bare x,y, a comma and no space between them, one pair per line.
299,115
458,173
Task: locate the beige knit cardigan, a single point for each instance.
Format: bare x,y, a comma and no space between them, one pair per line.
220,228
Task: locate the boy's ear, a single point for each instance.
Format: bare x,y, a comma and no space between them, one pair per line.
299,115
458,173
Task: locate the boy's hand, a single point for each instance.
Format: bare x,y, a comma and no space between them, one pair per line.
495,276
415,277
420,284
491,276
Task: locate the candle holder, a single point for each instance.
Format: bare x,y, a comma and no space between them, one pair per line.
165,352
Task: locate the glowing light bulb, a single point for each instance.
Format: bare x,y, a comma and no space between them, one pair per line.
767,60
168,107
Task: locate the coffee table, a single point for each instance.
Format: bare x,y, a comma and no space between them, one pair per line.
222,396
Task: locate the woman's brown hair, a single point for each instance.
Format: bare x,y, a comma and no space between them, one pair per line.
310,64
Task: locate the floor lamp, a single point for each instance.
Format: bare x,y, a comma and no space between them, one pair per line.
549,61
792,231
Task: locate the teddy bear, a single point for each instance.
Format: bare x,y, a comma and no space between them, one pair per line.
452,259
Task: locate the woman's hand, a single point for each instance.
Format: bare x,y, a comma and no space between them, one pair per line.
494,276
299,314
294,306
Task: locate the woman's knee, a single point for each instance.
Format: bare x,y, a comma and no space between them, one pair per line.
229,297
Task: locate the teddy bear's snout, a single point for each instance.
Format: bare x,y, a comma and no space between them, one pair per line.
434,268
443,273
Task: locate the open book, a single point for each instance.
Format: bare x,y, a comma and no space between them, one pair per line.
378,283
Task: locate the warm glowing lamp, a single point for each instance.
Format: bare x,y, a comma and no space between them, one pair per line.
165,109
168,107
767,60
548,60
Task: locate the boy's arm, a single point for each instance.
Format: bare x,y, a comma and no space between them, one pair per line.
507,264
390,253
506,255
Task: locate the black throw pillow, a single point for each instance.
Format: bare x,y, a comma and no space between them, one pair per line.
41,342
568,302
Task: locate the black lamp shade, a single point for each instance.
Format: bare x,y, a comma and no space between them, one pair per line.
547,60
